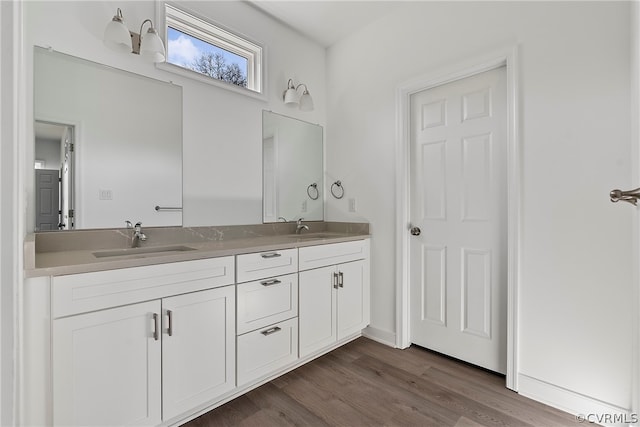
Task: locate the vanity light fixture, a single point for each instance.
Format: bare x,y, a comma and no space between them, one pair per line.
118,37
291,97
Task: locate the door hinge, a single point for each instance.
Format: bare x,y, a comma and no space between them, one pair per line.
71,213
72,147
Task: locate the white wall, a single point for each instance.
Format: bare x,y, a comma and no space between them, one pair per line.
48,150
222,132
576,271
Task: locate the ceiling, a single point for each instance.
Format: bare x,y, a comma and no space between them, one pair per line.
326,21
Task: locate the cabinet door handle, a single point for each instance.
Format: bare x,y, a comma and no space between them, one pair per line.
341,279
156,328
271,331
335,280
271,255
270,282
170,325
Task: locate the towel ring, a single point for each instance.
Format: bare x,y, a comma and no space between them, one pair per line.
312,187
333,192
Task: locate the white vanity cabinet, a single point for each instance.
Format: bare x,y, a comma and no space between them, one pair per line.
142,363
334,293
160,344
267,313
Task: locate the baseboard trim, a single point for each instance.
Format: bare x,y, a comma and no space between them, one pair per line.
591,410
379,335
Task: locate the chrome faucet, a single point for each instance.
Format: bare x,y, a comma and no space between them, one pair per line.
300,226
138,235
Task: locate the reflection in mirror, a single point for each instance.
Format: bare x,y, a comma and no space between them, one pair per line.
126,132
53,179
292,169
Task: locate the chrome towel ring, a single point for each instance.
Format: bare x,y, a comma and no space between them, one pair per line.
310,189
338,189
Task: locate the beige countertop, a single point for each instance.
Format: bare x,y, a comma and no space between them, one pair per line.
70,259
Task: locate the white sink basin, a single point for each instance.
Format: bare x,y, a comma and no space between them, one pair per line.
142,252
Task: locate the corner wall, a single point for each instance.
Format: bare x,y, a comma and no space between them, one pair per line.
576,270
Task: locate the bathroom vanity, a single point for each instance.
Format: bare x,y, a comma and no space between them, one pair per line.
160,334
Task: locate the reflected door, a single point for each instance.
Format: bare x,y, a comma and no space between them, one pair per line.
47,200
458,201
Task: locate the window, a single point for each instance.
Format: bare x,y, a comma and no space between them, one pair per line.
213,52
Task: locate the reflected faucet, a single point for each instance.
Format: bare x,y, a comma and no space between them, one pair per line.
138,235
300,226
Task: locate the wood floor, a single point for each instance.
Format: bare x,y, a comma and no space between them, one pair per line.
365,383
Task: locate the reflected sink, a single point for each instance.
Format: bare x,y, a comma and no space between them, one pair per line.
322,235
143,252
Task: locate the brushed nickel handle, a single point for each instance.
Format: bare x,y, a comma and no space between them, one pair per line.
415,231
156,328
270,282
630,196
170,326
341,279
271,255
335,280
271,331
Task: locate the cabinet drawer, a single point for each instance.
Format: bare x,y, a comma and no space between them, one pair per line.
78,293
266,264
265,302
265,350
334,253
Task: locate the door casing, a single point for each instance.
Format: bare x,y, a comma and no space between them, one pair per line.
504,57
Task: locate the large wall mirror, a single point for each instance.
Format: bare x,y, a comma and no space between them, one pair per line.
292,169
108,146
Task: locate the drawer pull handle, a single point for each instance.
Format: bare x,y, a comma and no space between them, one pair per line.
156,329
170,327
341,279
270,282
271,331
335,280
271,255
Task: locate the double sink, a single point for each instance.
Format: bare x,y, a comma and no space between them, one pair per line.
146,252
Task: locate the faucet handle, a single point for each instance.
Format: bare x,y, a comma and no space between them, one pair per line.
300,220
138,224
128,224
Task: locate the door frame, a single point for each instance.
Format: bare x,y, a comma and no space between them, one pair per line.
507,57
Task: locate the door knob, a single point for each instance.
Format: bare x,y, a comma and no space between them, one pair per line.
415,231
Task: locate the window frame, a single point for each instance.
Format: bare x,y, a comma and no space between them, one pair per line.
195,25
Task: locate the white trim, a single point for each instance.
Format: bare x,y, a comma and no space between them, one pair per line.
379,335
572,402
507,57
635,170
227,39
12,155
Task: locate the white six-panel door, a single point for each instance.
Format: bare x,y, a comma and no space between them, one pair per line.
459,202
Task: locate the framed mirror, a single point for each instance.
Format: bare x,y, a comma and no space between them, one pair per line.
108,146
292,168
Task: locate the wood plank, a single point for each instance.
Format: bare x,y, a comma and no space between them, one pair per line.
438,396
365,383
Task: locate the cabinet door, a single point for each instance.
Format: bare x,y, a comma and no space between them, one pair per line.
353,298
106,367
316,309
198,349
